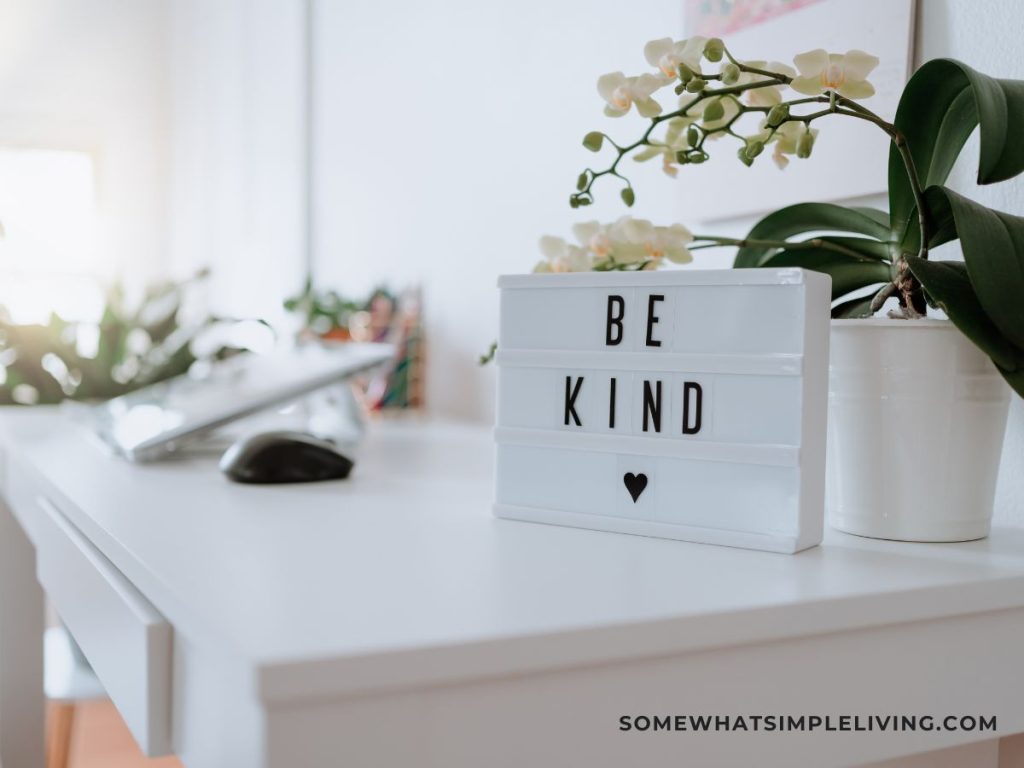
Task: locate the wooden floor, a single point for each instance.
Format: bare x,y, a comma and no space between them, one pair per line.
100,739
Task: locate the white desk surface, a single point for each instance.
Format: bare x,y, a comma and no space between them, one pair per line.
400,576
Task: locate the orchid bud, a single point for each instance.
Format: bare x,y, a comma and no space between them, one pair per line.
714,49
581,182
628,197
698,157
574,201
682,157
692,136
742,155
714,111
685,73
696,85
777,115
593,141
804,145
754,148
730,74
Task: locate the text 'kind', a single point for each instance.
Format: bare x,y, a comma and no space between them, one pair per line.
692,392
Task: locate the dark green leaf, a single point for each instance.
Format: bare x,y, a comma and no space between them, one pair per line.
938,110
941,222
805,217
949,287
866,247
993,246
1015,379
873,213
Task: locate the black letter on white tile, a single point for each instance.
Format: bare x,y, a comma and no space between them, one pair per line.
652,405
616,311
652,319
611,405
571,393
692,428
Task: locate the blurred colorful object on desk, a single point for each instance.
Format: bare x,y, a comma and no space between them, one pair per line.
383,316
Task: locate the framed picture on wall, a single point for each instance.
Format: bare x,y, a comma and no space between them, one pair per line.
850,157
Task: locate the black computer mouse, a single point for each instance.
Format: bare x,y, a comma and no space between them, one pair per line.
284,457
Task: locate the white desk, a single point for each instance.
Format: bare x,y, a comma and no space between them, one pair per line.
390,620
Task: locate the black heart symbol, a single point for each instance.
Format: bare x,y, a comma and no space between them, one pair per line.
635,484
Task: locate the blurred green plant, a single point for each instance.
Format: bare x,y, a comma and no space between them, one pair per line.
322,311
129,347
326,312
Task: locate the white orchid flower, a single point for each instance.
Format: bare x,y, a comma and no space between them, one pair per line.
665,152
626,242
622,92
560,256
785,139
614,242
594,236
768,95
846,74
639,241
674,141
670,243
667,55
675,133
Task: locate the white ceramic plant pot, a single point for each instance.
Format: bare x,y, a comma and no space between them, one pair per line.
917,416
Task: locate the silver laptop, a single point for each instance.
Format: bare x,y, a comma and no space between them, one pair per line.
155,420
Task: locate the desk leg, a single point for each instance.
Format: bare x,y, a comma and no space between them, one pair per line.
22,705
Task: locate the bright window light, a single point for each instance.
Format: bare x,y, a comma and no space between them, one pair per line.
49,260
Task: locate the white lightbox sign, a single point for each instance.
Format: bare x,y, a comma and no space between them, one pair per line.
681,404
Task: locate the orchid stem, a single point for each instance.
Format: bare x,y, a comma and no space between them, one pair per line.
903,284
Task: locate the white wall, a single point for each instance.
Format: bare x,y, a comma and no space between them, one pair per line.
237,105
448,140
985,36
92,75
194,114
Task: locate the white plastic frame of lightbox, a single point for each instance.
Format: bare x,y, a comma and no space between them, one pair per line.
810,365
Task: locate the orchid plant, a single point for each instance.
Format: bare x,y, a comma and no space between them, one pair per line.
762,105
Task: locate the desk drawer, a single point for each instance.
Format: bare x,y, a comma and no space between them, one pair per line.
124,637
